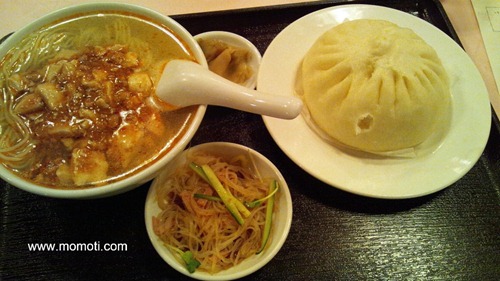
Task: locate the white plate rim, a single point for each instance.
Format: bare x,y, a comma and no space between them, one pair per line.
389,178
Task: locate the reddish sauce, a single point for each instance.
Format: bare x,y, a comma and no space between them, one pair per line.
83,97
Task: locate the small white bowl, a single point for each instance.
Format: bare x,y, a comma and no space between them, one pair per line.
282,219
237,41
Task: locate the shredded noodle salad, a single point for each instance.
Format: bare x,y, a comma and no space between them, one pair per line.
193,219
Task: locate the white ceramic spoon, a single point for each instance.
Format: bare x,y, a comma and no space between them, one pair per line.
184,83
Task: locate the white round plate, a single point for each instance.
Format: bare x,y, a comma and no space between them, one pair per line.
378,177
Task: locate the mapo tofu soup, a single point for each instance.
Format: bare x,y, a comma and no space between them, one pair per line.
74,100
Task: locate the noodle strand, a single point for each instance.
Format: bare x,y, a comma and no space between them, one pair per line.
204,227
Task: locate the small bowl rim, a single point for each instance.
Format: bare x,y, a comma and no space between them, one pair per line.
238,41
137,178
269,253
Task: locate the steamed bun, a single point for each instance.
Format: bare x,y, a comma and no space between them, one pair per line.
375,86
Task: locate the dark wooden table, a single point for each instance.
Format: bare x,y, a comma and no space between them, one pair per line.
449,235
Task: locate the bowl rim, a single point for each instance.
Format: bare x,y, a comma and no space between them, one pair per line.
137,178
268,254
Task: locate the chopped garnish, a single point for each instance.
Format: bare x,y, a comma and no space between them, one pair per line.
198,170
257,202
207,197
233,205
191,263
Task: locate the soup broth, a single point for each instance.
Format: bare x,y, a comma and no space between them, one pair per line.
74,100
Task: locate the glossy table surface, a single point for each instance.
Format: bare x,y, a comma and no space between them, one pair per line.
449,235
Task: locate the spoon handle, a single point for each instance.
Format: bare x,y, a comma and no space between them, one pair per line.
184,83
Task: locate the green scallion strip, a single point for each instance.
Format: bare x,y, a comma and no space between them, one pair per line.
229,200
207,197
257,202
269,216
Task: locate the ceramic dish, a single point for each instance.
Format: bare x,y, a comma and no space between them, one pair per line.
282,218
149,171
379,177
241,42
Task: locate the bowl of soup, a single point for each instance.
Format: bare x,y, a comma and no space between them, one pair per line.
76,121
